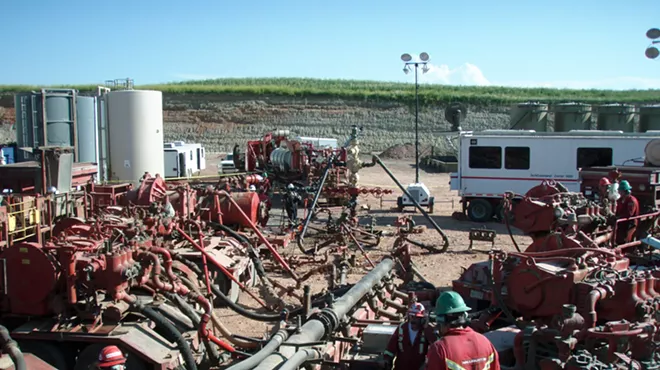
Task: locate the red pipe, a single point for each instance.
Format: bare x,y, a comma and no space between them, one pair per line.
594,296
206,317
628,245
261,237
167,260
68,261
156,277
219,265
563,251
204,261
610,334
639,217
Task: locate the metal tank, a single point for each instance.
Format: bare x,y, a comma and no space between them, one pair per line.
135,134
529,116
248,202
282,158
572,116
45,118
649,118
616,117
86,117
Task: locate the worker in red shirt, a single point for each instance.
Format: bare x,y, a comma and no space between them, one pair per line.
459,347
408,345
627,206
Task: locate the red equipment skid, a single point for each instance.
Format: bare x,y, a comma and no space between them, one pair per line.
578,299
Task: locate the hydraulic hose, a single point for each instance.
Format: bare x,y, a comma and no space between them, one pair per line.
187,310
230,231
254,256
10,347
170,333
237,308
302,356
273,344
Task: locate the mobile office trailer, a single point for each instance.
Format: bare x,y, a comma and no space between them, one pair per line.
183,160
493,162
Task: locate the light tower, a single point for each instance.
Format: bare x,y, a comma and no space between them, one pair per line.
651,51
424,59
418,190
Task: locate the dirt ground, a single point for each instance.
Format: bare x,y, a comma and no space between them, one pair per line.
440,269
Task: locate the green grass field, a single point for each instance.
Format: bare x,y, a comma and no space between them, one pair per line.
380,91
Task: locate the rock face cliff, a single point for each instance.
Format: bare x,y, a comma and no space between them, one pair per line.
220,121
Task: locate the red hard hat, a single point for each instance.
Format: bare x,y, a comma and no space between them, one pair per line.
416,310
111,356
604,182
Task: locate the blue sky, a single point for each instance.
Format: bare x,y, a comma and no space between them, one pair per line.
560,43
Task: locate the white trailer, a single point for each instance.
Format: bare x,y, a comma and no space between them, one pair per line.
493,162
183,160
319,142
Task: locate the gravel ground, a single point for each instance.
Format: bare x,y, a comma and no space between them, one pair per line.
440,269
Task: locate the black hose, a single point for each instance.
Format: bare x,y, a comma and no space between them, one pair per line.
10,347
187,310
230,231
170,332
254,256
231,304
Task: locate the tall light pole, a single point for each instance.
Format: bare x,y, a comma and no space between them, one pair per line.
407,59
651,51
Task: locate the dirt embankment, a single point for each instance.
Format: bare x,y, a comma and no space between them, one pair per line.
220,121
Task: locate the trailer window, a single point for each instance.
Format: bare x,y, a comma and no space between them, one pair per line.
516,158
486,157
591,157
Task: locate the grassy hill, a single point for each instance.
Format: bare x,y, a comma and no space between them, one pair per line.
222,112
380,91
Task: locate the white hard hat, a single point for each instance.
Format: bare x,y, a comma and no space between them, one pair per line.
290,186
253,188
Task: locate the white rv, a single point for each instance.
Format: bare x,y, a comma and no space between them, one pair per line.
183,160
493,162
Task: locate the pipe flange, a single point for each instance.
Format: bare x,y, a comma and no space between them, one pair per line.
328,318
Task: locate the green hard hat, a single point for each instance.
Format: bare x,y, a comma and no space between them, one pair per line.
625,185
450,302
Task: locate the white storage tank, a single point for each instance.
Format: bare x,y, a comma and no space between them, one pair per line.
135,134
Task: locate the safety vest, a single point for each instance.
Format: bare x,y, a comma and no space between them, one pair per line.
421,341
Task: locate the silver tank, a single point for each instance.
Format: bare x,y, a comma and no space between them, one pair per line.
86,117
281,158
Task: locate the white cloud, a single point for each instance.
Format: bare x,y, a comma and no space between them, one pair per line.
465,74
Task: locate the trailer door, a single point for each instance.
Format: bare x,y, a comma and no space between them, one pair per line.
171,164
